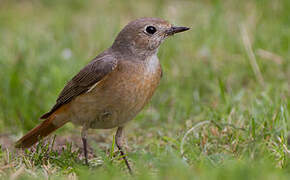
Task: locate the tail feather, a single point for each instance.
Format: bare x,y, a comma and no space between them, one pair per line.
39,132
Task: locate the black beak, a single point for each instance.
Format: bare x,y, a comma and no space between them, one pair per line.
175,29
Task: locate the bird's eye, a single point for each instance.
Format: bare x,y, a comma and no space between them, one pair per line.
150,29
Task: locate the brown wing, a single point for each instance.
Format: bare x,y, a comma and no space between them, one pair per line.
84,80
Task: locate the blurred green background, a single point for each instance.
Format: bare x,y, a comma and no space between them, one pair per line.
232,69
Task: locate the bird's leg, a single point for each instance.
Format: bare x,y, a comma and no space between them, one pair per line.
119,143
84,139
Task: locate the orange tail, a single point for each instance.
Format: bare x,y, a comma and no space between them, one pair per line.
40,131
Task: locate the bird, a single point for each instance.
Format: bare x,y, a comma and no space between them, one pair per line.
112,88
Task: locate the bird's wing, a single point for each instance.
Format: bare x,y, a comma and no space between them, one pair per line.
95,71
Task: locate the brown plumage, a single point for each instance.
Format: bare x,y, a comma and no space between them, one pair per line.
88,76
114,87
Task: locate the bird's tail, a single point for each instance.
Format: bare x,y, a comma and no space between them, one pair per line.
39,132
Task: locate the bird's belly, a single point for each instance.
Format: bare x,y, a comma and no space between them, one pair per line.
115,101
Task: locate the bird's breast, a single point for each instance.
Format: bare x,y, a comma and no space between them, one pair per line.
137,84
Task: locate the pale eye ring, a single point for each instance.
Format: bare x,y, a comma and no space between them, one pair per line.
150,29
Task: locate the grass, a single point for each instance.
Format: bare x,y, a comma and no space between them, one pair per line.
229,74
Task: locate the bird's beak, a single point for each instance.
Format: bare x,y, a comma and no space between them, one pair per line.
175,29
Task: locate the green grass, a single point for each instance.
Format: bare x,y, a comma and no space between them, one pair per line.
208,77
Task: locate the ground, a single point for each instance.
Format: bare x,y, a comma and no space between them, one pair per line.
221,111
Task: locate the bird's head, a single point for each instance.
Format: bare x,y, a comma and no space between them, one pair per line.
143,36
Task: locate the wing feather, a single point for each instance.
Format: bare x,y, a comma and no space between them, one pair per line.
95,71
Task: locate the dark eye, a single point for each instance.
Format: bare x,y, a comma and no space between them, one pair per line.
150,29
